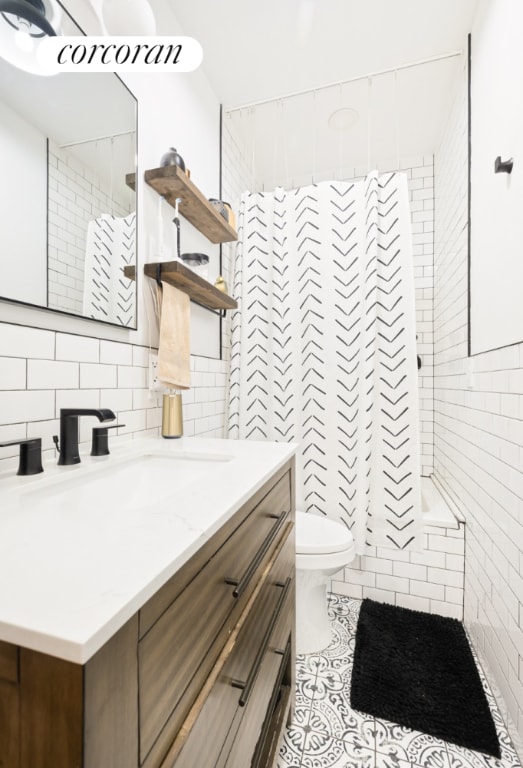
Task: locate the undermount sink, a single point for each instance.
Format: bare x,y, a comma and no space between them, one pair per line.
134,482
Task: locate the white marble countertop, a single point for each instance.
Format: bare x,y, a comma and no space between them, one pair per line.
81,552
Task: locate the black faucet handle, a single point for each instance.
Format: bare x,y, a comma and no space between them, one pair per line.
30,462
100,443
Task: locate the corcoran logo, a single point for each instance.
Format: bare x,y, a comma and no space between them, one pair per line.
119,54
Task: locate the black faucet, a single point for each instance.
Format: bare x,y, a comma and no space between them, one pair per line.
68,446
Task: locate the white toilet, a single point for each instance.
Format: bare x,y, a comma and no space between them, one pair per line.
323,547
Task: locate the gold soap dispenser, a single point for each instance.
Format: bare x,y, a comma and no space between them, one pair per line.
220,284
172,418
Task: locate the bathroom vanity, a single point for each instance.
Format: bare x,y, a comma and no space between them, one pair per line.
172,643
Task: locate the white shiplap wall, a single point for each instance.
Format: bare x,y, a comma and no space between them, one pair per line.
478,443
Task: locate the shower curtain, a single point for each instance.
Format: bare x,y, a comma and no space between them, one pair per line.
323,349
108,294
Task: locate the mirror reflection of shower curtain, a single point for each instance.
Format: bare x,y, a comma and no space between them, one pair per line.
323,349
111,246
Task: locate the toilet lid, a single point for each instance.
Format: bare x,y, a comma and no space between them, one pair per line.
318,535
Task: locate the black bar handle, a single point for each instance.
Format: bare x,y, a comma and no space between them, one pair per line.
248,685
240,584
30,461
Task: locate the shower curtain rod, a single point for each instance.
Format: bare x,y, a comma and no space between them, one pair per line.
97,138
371,75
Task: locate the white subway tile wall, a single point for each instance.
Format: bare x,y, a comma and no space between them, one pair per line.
478,442
430,580
76,197
420,173
43,371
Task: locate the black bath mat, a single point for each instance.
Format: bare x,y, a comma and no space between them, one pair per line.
417,670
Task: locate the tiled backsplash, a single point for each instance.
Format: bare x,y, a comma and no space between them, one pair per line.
42,371
478,437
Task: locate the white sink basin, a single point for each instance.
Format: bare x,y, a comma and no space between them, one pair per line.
131,483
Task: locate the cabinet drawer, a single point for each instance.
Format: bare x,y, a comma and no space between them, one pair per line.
8,662
157,605
249,677
178,652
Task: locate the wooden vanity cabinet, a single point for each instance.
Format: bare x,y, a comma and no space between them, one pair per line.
9,706
202,675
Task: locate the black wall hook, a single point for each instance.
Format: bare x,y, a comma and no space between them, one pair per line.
503,166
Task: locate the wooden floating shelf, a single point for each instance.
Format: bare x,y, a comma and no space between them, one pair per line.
170,182
177,274
130,180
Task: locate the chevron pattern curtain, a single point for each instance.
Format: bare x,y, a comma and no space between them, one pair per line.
323,349
108,294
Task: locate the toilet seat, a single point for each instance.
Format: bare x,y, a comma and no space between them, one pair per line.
320,536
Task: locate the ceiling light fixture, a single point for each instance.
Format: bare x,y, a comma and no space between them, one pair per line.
128,17
23,23
343,119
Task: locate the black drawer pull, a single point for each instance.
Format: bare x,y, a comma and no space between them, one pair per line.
240,584
248,685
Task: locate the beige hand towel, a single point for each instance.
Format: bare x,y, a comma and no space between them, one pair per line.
174,349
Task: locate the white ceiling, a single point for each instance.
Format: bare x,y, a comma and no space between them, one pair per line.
263,50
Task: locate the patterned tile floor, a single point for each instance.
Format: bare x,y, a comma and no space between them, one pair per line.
327,733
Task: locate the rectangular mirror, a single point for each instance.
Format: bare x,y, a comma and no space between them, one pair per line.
68,222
